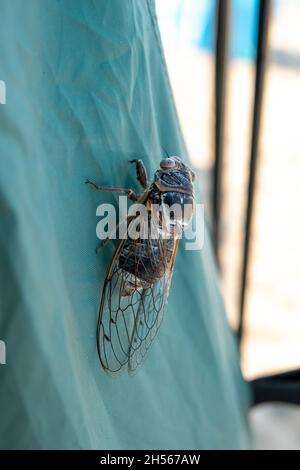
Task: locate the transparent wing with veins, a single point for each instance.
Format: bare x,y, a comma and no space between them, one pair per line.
128,324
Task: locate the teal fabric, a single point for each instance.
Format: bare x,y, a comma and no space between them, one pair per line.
87,89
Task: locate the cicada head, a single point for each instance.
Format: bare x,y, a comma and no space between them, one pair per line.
175,164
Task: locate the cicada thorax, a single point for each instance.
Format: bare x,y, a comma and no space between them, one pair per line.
175,189
145,260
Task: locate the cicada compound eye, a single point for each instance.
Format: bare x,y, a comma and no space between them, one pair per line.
193,175
167,164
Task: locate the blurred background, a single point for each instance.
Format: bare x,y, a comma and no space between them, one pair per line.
271,324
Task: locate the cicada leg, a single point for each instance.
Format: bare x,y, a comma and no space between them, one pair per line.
129,192
107,239
141,172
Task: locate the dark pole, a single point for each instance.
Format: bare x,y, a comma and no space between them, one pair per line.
222,19
264,14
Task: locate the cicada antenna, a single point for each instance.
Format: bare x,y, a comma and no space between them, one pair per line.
166,152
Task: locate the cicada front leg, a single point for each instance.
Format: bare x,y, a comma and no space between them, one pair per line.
141,173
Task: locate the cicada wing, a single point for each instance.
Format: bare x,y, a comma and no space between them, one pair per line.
149,316
148,320
114,325
128,322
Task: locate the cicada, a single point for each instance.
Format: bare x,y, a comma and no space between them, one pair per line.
137,283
